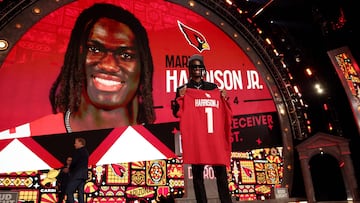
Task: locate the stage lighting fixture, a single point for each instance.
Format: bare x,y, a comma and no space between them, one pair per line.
3,44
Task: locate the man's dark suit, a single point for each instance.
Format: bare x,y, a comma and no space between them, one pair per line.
78,175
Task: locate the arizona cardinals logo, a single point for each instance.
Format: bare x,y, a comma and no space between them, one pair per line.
247,171
118,169
194,37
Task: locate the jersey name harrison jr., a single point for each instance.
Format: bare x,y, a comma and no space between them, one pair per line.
207,103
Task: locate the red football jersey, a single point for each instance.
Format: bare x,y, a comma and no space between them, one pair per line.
205,126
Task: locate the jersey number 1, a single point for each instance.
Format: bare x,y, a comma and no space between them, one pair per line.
210,119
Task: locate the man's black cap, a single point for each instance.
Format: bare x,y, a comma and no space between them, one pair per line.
196,57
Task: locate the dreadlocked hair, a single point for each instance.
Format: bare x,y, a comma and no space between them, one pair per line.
65,93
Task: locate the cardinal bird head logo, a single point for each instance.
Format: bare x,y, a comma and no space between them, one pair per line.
247,171
118,169
194,37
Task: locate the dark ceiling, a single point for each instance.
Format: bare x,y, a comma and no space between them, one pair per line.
311,26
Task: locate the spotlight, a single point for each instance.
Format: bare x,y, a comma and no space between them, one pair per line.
36,10
3,44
